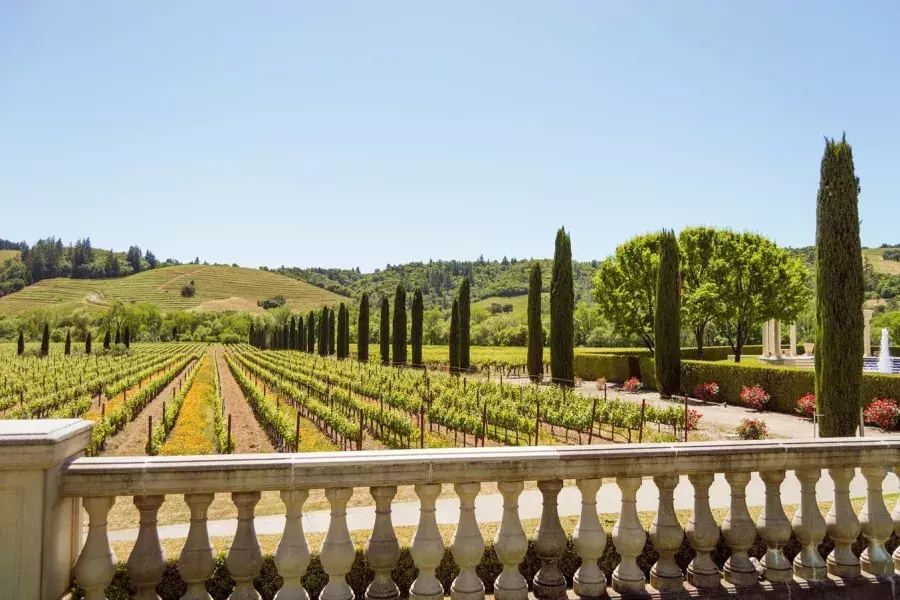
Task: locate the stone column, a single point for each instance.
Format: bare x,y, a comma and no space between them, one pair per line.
867,336
776,338
765,339
40,533
793,339
549,545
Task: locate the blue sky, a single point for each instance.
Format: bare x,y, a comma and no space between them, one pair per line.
365,133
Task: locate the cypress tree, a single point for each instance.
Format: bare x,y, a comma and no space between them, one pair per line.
292,335
87,343
347,332
535,327
331,332
454,337
341,318
415,332
399,326
174,334
68,350
465,311
323,332
106,340
127,337
252,337
362,329
118,335
839,293
301,334
562,313
667,318
385,332
20,347
45,340
311,332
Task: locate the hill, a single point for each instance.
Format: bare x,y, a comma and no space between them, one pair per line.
218,289
8,255
876,258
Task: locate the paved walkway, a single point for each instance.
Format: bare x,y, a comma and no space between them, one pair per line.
489,508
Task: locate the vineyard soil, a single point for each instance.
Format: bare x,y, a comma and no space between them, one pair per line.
248,436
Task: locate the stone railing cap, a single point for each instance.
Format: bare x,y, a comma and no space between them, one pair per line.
39,443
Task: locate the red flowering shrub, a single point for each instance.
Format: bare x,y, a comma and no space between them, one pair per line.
632,385
882,412
754,397
806,405
693,417
706,392
752,429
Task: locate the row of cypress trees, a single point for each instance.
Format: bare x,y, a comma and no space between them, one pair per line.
45,341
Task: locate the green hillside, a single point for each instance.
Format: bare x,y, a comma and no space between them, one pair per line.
218,289
8,254
876,259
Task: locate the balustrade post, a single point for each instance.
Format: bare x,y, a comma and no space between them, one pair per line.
590,541
895,516
842,525
629,538
511,545
197,563
876,525
244,559
292,552
96,564
774,529
703,535
549,545
809,527
427,547
739,532
147,562
383,550
337,553
467,546
667,535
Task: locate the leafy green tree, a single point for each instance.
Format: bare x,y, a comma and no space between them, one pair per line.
134,259
839,293
667,323
562,309
535,327
20,347
68,347
362,329
625,287
465,325
415,333
113,268
311,332
331,331
45,340
87,343
341,322
399,326
700,301
454,337
385,337
106,340
150,258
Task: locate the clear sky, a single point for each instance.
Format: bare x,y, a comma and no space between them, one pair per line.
364,133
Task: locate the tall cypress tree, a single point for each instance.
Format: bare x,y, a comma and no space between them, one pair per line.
535,327
106,340
399,328
127,337
253,341
465,311
87,343
20,347
342,318
68,348
323,332
667,318
292,335
362,329
385,338
301,334
118,335
415,330
454,337
45,340
839,293
562,313
331,332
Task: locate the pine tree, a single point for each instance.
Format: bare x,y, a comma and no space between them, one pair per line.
415,332
311,332
385,332
323,332
45,340
362,329
839,293
454,337
87,343
20,347
118,336
667,318
465,311
106,340
127,337
68,347
562,313
331,331
535,327
341,317
301,334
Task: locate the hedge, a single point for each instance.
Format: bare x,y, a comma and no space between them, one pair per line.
267,584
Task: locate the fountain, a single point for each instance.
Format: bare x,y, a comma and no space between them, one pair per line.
885,364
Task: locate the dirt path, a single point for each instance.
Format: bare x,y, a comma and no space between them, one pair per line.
248,436
132,441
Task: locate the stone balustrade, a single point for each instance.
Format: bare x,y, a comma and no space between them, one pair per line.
97,481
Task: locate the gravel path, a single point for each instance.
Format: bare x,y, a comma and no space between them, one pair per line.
248,436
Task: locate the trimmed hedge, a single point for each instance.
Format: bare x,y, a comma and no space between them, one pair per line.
267,584
594,366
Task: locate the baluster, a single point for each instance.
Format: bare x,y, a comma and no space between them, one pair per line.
895,516
629,538
147,562
842,525
775,530
244,558
667,536
96,564
549,545
703,535
590,541
511,545
383,550
196,563
337,552
739,532
809,527
467,546
292,552
876,525
427,547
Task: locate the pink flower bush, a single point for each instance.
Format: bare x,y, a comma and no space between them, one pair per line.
882,412
755,397
752,429
693,418
806,405
706,392
632,385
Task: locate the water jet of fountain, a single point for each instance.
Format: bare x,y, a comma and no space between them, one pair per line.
884,355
